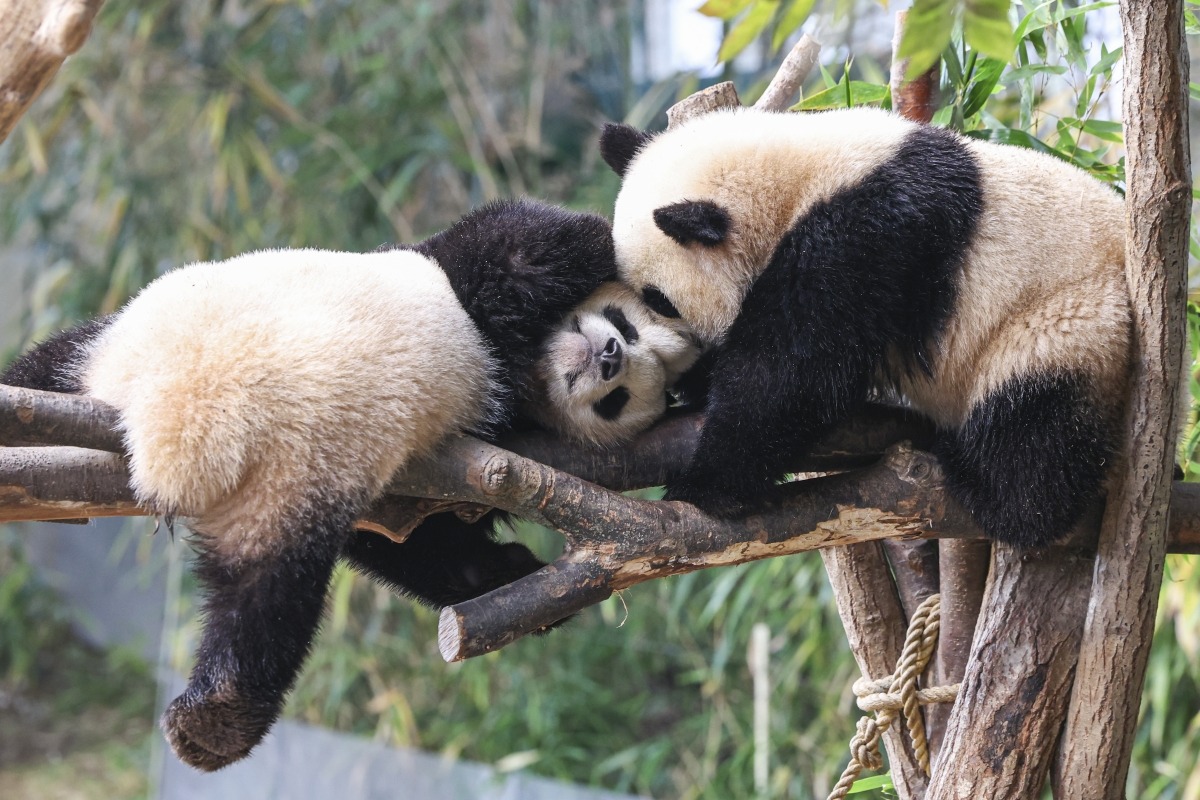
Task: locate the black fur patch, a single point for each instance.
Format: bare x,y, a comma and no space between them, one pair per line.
1030,458
616,317
50,365
444,561
612,404
619,143
518,267
653,297
872,268
701,222
259,621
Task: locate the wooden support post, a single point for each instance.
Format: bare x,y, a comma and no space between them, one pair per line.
915,564
1001,734
1129,562
875,626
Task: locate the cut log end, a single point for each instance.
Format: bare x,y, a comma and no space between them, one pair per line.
451,635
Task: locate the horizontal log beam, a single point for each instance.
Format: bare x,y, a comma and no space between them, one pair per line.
614,541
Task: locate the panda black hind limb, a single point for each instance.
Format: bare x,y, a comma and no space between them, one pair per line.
269,398
837,254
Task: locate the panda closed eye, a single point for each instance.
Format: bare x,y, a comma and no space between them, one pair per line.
653,297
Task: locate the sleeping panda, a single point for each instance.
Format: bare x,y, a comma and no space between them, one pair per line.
605,374
837,254
270,397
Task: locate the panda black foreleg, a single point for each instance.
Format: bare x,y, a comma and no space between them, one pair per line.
764,411
260,616
797,360
1030,458
444,561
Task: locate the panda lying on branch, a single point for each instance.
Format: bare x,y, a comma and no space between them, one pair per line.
270,397
831,256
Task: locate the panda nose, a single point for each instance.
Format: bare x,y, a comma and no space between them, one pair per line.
610,360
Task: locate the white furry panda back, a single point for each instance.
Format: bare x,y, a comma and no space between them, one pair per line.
278,373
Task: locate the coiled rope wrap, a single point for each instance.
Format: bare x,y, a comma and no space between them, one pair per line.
897,693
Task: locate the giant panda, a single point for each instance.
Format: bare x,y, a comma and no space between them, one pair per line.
269,398
605,373
834,255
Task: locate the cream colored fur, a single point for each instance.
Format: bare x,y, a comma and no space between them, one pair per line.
246,386
1044,282
765,169
1043,287
664,350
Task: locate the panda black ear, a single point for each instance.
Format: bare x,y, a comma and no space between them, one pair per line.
700,221
619,143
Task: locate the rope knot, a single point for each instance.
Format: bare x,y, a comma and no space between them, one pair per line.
897,696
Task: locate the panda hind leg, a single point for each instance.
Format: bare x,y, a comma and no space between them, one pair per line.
1031,457
444,561
260,616
49,365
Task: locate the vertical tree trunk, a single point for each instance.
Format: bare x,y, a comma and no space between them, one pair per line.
875,627
1120,622
1000,738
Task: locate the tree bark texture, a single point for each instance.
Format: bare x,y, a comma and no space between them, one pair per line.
35,38
1120,621
1000,738
875,625
962,575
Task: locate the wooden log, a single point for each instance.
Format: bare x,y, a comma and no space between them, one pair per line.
875,626
962,572
1120,622
713,98
35,39
28,416
1000,737
784,88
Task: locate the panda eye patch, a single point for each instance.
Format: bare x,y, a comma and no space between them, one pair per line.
658,302
612,404
617,319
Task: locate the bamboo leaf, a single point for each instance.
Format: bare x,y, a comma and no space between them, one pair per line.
986,28
724,9
926,34
754,23
794,15
875,782
987,75
845,94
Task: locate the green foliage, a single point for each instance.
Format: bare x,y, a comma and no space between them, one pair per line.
650,692
845,93
196,131
31,620
985,25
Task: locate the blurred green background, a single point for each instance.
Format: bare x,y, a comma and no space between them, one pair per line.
197,131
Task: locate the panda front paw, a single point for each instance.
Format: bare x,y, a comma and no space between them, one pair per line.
211,730
712,496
